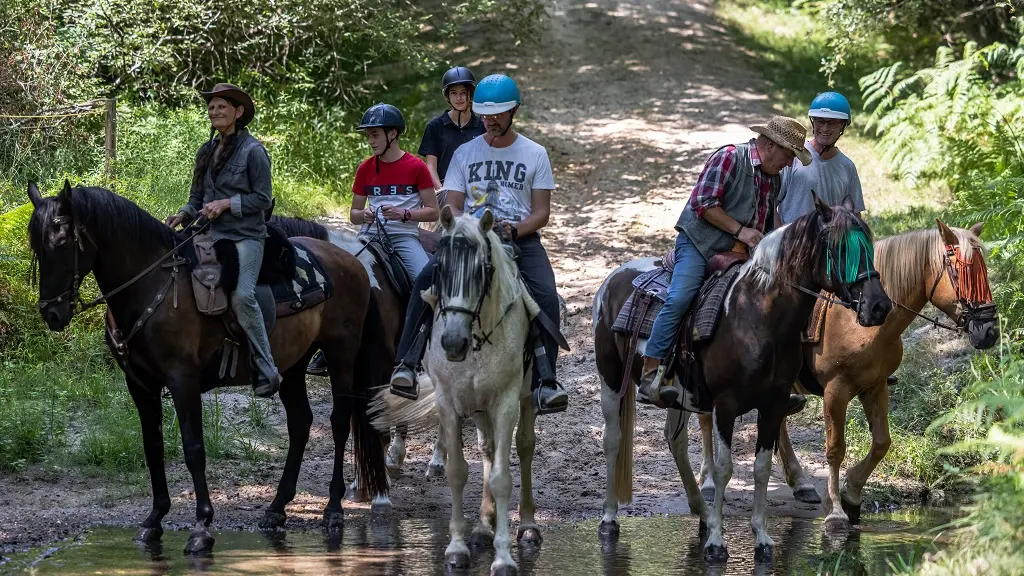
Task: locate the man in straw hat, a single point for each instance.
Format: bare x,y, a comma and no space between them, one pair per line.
734,201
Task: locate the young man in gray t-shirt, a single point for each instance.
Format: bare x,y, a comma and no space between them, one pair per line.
831,174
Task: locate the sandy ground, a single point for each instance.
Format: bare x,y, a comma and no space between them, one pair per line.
629,97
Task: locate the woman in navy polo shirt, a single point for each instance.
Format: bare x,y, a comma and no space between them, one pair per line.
453,127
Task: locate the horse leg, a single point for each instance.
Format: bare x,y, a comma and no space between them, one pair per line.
456,555
803,489
299,418
526,444
836,401
436,466
723,422
396,452
189,407
619,417
483,532
676,436
876,407
768,423
707,452
151,420
503,424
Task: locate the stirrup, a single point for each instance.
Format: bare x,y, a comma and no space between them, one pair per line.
559,407
408,392
650,385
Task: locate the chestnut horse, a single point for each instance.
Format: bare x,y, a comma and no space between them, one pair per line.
944,266
750,362
146,286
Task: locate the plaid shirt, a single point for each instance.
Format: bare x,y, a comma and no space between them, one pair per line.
718,172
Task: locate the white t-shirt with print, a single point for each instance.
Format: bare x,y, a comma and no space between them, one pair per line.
832,180
501,179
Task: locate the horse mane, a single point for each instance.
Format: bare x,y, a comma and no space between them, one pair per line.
505,277
902,259
299,227
106,215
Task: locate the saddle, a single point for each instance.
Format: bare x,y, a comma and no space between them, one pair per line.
650,291
391,262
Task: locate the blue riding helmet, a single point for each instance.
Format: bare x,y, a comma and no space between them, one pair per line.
382,116
495,94
830,105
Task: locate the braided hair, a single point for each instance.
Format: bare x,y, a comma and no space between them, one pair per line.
206,151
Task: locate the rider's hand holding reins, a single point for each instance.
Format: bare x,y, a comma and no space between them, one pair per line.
174,221
214,209
749,236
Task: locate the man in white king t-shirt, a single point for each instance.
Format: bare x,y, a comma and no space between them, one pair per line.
509,174
831,174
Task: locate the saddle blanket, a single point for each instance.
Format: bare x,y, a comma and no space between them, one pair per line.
705,310
309,287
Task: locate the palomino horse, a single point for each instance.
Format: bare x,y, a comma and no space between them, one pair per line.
943,266
473,363
750,362
172,345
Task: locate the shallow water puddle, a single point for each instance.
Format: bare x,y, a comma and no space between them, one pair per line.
646,547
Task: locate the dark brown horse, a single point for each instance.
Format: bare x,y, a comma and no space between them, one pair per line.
750,362
171,345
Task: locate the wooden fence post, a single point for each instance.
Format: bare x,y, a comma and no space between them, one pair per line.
111,139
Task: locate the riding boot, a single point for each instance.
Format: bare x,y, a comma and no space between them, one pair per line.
796,404
266,380
549,397
891,379
653,391
403,379
318,365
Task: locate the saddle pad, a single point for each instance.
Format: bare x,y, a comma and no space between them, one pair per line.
816,323
709,303
654,282
310,287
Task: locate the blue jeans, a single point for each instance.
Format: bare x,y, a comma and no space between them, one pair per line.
245,307
409,249
687,277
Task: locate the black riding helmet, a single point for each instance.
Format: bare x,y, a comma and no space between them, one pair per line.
459,75
383,116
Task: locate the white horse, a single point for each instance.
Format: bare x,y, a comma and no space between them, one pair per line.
473,370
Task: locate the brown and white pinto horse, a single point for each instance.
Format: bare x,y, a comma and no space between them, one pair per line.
944,266
750,362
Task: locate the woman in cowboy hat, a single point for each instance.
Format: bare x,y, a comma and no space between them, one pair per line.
231,188
735,200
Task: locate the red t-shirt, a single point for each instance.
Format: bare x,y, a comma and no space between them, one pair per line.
398,184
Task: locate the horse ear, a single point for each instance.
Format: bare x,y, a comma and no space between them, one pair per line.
486,221
948,236
33,193
848,203
447,219
65,193
976,229
824,209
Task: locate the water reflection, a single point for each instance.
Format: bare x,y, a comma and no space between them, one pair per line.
370,546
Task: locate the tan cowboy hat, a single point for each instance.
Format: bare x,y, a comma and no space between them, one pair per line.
788,133
236,94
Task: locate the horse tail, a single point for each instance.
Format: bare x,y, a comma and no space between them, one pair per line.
371,372
624,461
418,415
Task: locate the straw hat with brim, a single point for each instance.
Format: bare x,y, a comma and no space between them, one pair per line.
788,133
235,94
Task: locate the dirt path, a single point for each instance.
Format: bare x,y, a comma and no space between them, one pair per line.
629,97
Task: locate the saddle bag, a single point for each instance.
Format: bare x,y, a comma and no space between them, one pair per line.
211,299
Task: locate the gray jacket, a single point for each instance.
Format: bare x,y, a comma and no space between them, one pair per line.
739,201
245,179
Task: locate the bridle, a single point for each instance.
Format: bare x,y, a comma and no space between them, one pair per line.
846,299
967,310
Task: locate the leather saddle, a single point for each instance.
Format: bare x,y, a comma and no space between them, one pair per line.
391,262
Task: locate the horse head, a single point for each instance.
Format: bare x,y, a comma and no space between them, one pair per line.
64,256
462,281
961,288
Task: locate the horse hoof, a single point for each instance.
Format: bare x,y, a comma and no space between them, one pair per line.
334,520
807,495
836,524
480,540
380,507
504,570
356,496
435,471
147,535
272,520
715,554
708,493
199,542
529,536
457,561
763,553
608,530
852,510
